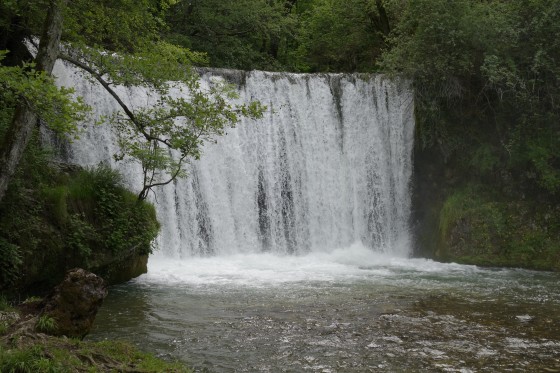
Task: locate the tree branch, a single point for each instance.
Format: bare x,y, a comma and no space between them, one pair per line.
110,90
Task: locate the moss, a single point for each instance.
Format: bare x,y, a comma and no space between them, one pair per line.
58,355
478,227
56,218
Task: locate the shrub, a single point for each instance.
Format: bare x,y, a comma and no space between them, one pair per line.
83,218
46,324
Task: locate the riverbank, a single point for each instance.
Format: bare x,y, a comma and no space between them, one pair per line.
24,347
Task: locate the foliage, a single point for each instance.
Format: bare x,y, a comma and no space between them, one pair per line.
485,83
10,262
52,221
171,122
55,105
342,36
243,34
4,303
25,361
121,25
132,31
477,227
99,213
147,134
296,35
46,324
466,213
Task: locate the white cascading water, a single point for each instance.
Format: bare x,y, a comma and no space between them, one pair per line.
328,166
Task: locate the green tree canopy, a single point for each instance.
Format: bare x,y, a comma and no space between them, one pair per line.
343,35
91,33
243,34
486,80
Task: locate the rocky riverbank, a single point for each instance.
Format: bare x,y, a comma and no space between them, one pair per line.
44,335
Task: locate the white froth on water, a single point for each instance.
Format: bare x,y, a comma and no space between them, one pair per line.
353,263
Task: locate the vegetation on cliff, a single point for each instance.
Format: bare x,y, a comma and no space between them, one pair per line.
56,217
86,218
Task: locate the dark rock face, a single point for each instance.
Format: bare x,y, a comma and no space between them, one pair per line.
74,303
120,271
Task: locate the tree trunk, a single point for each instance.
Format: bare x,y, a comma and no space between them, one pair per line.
21,129
379,19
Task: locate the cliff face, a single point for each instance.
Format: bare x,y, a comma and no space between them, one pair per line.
461,217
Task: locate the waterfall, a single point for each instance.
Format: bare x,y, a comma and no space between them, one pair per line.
328,165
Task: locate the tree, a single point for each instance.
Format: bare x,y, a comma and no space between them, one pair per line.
243,34
486,82
25,116
343,36
181,123
140,59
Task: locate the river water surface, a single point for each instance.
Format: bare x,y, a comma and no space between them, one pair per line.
345,311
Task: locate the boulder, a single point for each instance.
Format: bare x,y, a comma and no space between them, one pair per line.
74,303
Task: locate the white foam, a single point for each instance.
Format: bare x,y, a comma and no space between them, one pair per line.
353,263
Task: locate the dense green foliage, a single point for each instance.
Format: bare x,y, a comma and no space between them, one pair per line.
133,31
244,34
52,220
340,36
486,84
55,105
296,35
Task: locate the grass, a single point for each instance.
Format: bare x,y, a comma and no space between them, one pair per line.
25,349
46,324
59,356
5,304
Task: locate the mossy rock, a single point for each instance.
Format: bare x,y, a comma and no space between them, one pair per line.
478,228
72,218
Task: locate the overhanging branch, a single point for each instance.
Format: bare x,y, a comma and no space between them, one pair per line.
114,94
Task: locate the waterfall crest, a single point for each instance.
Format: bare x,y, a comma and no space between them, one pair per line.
328,165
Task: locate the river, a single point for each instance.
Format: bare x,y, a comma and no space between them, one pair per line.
348,310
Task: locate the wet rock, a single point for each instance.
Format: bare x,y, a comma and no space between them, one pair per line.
74,303
119,271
